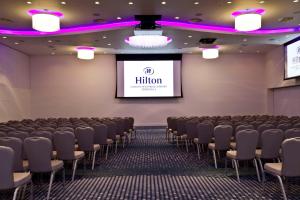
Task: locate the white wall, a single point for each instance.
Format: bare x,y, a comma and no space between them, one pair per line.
285,100
63,86
14,85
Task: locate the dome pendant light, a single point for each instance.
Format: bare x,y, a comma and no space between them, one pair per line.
45,20
85,53
210,53
248,20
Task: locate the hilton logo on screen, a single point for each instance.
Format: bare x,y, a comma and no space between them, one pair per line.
148,71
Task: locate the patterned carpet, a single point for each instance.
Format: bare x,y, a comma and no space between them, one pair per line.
151,168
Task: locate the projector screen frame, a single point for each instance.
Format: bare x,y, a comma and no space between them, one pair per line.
141,57
285,59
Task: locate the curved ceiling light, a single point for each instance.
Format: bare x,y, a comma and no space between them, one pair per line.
210,53
85,53
45,21
248,20
148,41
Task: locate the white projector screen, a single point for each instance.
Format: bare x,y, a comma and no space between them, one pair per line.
148,78
292,59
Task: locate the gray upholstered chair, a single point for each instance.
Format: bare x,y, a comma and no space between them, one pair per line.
284,126
271,140
131,127
240,128
292,133
246,142
64,142
222,135
16,144
101,137
261,128
290,166
65,128
9,179
191,132
180,135
18,134
2,134
39,150
297,125
205,131
85,139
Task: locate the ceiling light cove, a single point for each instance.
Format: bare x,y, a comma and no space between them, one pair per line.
248,20
45,20
85,53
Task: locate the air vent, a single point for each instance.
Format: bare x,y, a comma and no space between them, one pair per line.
207,40
286,19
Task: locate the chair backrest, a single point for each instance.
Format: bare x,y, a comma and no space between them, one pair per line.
246,142
127,124
64,142
18,134
17,145
292,133
264,127
85,138
131,120
223,134
284,126
111,129
205,132
101,132
45,134
2,134
180,123
297,125
290,158
65,128
243,127
191,129
38,151
271,140
6,169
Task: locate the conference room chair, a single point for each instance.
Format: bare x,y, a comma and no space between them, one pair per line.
18,134
172,124
284,126
205,131
131,127
292,133
101,138
191,131
290,165
85,140
222,138
240,128
39,151
16,144
296,125
65,128
120,134
246,142
6,129
271,140
64,142
2,134
127,128
261,129
180,134
9,178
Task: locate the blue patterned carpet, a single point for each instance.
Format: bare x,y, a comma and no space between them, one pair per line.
151,168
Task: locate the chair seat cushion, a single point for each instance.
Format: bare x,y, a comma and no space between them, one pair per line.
196,140
183,136
54,154
96,147
233,145
25,165
76,147
118,137
258,153
212,146
274,168
21,178
231,154
109,141
78,154
57,165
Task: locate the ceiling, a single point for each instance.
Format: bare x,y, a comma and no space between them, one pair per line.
279,14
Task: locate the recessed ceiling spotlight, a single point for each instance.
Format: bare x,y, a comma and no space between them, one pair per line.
130,3
97,2
52,53
245,39
185,43
196,2
190,36
119,18
229,2
49,41
176,17
29,2
257,51
109,44
4,37
104,37
261,2
163,3
241,51
63,3
16,43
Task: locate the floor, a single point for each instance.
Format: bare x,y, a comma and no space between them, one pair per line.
152,168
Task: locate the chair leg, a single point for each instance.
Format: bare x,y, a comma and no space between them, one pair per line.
236,170
107,147
198,150
124,140
116,149
177,142
282,187
94,157
16,193
24,191
262,170
50,184
74,169
186,145
64,177
215,159
257,171
31,190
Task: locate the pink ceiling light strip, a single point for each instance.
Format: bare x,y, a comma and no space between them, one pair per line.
71,30
221,29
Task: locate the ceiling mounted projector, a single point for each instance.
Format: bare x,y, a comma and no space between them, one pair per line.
148,34
45,20
248,20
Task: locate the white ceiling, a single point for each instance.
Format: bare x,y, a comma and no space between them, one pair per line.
13,15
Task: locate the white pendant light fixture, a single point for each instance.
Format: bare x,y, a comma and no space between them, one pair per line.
210,53
45,21
85,53
148,39
248,20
